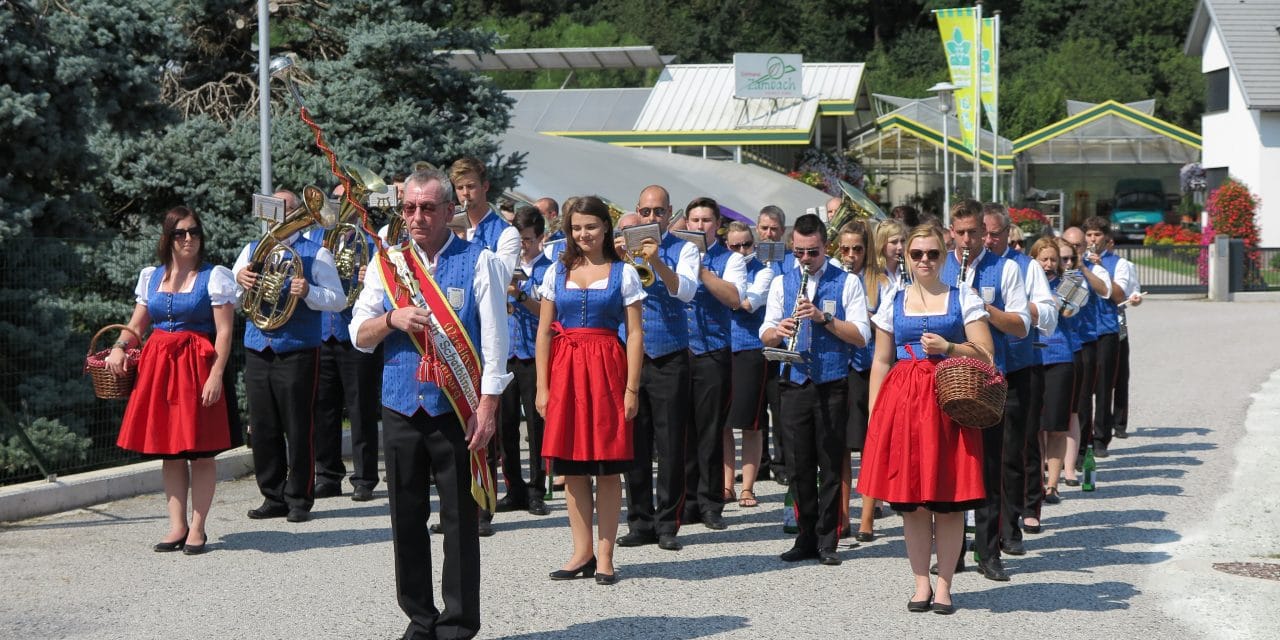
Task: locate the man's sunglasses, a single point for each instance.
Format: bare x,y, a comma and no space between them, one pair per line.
646,212
811,252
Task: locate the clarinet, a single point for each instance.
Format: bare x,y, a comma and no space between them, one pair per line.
964,259
903,277
794,340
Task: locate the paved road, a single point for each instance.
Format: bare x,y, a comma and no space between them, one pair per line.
1191,487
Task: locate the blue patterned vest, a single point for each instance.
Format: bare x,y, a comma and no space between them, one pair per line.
522,323
908,329
302,331
1108,312
192,311
401,391
709,319
826,357
1022,351
987,277
1062,345
745,334
666,329
591,308
489,229
1087,319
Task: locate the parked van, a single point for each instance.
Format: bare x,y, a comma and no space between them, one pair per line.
1139,203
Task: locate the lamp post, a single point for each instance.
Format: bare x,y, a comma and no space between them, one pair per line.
944,91
264,98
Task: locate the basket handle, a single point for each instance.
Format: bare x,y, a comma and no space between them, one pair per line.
94,340
983,351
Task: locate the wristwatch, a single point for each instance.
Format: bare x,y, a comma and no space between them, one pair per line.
827,318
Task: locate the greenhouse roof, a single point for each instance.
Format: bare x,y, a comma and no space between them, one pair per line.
1110,133
922,120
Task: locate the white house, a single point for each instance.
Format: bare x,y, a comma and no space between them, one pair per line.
1239,46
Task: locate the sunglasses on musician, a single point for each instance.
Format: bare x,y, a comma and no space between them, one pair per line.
647,212
932,255
853,249
810,251
181,234
742,245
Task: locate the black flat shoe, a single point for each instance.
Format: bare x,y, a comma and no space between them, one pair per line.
197,549
919,606
1052,497
586,571
1071,482
942,609
176,545
606,578
864,536
1032,528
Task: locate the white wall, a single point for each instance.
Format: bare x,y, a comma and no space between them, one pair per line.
1247,142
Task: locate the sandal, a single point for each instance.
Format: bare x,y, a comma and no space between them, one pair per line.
728,496
748,499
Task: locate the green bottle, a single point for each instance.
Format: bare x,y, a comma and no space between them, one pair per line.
1089,483
789,519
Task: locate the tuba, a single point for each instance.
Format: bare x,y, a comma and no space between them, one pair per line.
346,241
276,263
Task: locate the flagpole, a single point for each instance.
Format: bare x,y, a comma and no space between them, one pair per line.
975,71
995,103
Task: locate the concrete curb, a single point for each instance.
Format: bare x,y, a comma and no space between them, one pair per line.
41,498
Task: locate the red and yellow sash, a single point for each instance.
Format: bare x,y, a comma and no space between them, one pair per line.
450,359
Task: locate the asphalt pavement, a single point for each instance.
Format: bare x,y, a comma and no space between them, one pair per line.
1195,485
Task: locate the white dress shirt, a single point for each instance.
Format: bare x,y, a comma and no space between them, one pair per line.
490,301
735,273
1038,294
687,267
853,296
1125,277
1011,288
222,286
756,295
325,292
508,249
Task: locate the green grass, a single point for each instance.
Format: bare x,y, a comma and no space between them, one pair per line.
1167,264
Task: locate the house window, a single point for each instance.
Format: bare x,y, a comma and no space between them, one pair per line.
1217,90
1214,177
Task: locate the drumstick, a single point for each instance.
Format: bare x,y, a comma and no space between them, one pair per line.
1126,300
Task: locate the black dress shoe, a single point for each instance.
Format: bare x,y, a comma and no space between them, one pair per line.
782,477
668,542
362,494
328,490
606,578
176,545
197,549
1100,450
587,570
943,609
507,504
1121,431
993,570
864,536
537,507
637,539
714,521
797,554
298,515
1013,547
484,528
268,511
919,606
828,557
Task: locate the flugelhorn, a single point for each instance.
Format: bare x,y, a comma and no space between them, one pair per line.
275,263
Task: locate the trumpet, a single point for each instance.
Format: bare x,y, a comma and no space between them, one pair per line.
789,354
647,277
964,260
275,262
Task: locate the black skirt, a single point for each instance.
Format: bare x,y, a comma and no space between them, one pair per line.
859,395
1059,397
590,467
746,401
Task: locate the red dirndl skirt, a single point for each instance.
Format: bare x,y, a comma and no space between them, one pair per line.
914,454
585,418
165,416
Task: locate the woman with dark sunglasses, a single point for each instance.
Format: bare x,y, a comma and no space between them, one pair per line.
178,411
925,466
1059,423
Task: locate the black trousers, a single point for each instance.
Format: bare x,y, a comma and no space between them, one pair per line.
709,387
1084,403
660,427
415,447
281,391
1108,358
521,394
816,418
1120,401
1022,484
352,380
773,402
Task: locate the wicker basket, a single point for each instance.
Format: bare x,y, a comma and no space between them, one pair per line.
107,385
971,391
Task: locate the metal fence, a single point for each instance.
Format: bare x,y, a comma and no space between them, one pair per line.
1254,270
1169,269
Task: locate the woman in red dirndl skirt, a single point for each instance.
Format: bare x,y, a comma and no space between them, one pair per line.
177,410
916,458
587,385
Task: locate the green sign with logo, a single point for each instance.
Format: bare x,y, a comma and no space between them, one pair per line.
768,75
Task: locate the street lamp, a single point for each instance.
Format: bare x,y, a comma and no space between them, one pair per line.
944,91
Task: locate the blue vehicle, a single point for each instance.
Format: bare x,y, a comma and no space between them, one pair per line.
1139,203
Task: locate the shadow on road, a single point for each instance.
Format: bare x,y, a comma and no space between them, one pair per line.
287,541
643,627
1045,597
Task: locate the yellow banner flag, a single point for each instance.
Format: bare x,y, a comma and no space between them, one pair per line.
990,61
959,30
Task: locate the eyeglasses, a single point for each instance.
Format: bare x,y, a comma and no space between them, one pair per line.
811,252
853,249
932,254
426,207
743,245
181,234
646,212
